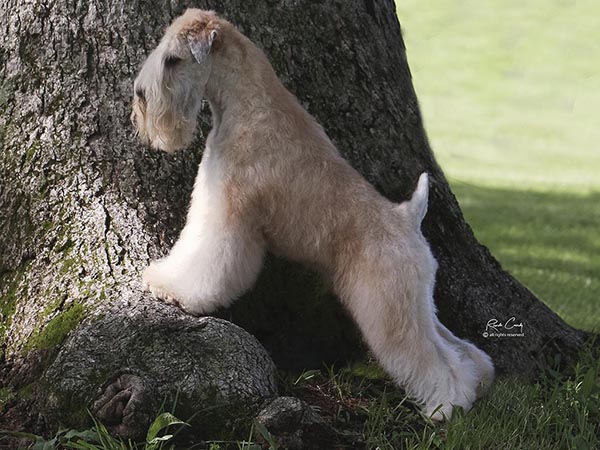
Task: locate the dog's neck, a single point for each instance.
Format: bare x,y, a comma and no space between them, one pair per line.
242,82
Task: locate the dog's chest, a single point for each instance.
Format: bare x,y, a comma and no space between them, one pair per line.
208,199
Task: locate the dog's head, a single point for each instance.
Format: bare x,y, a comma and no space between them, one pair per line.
169,88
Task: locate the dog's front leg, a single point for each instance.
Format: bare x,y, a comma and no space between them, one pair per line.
217,257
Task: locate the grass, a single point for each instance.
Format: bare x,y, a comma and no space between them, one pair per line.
548,240
510,96
161,435
99,438
558,412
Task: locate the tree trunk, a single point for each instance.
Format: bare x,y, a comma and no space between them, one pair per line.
84,208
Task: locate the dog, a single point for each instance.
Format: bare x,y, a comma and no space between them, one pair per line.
271,179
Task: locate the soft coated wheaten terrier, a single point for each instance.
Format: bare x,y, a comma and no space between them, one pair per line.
270,178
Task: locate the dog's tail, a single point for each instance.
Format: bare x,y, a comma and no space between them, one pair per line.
416,207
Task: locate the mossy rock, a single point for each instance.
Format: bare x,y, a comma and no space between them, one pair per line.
53,334
124,365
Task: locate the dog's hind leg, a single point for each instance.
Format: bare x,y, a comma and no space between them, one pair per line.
483,363
388,288
390,305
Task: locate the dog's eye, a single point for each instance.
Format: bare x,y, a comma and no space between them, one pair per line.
140,93
171,61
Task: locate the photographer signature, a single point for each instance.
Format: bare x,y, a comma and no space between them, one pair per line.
494,325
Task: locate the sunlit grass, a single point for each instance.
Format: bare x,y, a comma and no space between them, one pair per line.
548,240
510,94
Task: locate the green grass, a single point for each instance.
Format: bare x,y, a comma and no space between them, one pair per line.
510,94
161,435
548,240
99,438
559,412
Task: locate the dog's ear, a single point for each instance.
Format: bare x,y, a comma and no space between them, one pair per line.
201,41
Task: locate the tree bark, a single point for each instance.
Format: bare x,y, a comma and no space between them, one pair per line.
84,207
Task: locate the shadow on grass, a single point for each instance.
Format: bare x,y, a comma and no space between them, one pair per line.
549,240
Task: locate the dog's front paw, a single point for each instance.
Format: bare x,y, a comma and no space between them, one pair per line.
153,282
161,294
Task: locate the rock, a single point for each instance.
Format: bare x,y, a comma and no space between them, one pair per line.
124,366
295,425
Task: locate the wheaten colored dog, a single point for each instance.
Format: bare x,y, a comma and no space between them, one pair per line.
270,178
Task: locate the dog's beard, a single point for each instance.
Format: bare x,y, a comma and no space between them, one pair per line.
163,129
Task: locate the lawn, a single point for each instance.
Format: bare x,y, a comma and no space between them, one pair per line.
510,94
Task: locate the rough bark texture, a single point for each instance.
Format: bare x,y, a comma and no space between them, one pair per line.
83,207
